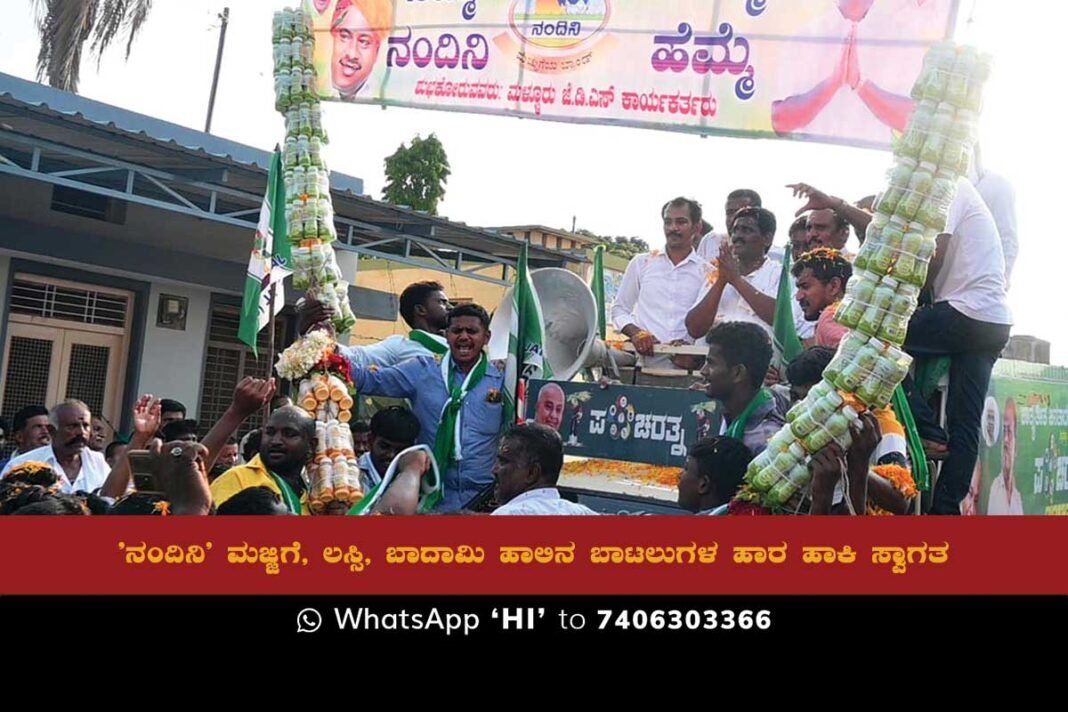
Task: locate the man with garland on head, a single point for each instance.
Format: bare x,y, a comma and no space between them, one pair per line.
821,275
457,399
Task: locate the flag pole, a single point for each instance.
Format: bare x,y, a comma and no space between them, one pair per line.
270,350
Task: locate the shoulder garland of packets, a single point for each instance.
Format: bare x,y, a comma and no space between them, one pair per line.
324,385
889,272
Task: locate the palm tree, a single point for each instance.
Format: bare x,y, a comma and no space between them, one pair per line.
66,25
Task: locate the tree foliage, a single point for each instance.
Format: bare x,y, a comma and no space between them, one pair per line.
625,247
64,26
416,175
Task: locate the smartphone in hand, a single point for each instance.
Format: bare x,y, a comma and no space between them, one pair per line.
143,471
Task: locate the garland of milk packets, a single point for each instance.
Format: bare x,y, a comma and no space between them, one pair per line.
309,209
324,386
889,272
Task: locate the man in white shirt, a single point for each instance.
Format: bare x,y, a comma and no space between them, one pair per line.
1004,496
423,306
746,283
1000,197
969,320
79,468
659,288
528,467
708,246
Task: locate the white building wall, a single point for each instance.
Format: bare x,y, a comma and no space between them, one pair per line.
172,361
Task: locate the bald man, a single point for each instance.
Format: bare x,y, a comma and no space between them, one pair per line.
286,447
80,469
549,410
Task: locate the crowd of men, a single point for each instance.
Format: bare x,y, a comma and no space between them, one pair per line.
718,288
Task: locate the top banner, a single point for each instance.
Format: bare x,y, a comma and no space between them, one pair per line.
824,70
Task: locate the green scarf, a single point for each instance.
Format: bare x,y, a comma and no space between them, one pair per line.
447,441
737,427
433,343
288,495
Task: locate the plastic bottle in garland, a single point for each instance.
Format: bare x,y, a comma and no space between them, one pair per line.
860,292
937,80
797,479
974,101
958,143
899,183
938,134
879,307
847,351
935,208
960,77
919,186
917,129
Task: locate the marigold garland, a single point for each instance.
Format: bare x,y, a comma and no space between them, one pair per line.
900,477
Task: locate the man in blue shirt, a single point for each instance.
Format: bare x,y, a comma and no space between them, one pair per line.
458,401
423,306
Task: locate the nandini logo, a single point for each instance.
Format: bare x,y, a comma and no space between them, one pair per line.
558,24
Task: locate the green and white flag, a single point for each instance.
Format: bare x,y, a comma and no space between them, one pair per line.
526,343
787,344
271,260
597,287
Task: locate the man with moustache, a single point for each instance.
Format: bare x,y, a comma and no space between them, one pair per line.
747,282
29,430
359,28
79,468
659,288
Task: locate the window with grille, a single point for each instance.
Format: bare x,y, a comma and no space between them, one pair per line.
29,366
87,380
69,303
229,360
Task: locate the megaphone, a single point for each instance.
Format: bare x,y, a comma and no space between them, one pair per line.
569,314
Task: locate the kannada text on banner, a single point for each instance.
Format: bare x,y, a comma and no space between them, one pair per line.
636,424
1023,444
804,69
535,555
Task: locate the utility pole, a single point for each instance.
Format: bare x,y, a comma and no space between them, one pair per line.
225,18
